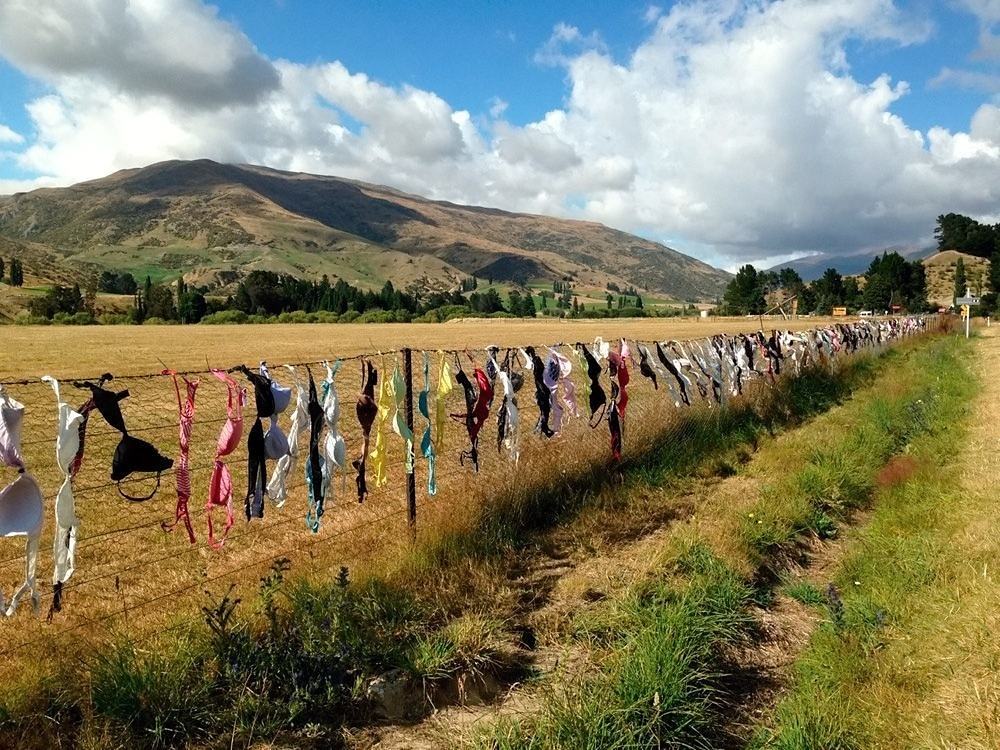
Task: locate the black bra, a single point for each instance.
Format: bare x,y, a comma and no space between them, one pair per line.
132,455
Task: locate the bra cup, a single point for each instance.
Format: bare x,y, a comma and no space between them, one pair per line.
331,409
68,441
275,442
336,449
108,404
11,417
135,455
21,507
281,396
220,487
229,438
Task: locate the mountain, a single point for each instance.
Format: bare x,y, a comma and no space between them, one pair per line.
812,268
215,222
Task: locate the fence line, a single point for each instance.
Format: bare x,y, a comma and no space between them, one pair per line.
158,416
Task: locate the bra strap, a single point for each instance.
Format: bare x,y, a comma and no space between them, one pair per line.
138,499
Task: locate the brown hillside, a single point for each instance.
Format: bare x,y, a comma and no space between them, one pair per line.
940,269
217,221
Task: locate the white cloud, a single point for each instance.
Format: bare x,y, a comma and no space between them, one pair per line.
9,136
736,128
498,107
567,41
174,48
652,13
988,11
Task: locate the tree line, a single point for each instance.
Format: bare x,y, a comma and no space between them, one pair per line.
958,232
890,281
265,294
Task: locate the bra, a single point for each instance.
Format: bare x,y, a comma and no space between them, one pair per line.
232,430
132,455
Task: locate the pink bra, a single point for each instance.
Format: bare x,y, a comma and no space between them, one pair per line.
185,407
220,487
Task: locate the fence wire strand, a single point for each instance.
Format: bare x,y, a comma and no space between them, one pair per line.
113,533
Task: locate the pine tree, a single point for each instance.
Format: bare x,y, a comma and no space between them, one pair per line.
1,269
16,273
960,278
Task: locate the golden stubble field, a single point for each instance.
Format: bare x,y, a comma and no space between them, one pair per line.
133,577
68,350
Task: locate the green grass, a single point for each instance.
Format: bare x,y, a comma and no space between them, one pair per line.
658,680
659,683
896,561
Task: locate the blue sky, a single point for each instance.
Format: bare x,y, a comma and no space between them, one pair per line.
486,75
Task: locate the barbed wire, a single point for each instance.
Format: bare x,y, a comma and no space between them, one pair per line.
676,430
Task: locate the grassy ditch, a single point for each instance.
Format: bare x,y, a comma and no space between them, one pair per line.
899,659
300,656
658,677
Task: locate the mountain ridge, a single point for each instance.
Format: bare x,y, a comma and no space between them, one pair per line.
211,221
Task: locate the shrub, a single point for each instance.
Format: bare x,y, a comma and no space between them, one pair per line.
25,318
225,316
114,319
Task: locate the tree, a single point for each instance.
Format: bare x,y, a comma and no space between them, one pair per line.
960,279
514,302
528,306
58,299
745,293
1,269
638,301
829,289
852,293
957,232
112,282
159,301
16,273
789,279
878,293
899,283
191,307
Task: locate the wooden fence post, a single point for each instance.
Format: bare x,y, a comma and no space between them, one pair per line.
411,479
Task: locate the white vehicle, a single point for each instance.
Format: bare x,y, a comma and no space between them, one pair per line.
864,313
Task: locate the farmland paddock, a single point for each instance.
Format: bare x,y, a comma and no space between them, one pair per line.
135,580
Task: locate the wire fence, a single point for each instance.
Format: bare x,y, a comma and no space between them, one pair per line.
132,573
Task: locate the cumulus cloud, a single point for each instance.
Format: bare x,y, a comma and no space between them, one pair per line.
9,136
174,48
735,129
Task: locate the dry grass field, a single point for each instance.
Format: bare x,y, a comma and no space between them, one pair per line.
133,577
125,350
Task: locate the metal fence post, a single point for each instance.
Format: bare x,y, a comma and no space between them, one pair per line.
411,479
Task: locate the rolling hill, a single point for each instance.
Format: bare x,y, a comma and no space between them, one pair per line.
940,269
215,222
